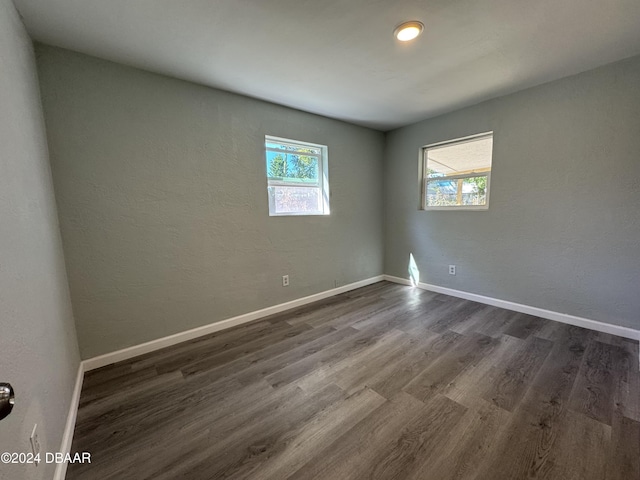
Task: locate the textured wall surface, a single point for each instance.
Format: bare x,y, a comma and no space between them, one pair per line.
38,350
563,228
162,198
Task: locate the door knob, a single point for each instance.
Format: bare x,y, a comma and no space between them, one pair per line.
7,399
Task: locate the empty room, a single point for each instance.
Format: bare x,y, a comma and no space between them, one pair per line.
330,240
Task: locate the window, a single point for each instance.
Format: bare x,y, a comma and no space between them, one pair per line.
297,179
457,174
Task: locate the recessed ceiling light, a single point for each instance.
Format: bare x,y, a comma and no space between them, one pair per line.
408,31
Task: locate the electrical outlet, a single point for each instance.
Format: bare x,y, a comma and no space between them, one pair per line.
285,280
452,269
35,443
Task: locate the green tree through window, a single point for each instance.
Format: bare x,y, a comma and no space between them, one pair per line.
278,167
295,166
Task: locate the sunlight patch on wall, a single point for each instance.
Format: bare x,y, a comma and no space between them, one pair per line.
414,273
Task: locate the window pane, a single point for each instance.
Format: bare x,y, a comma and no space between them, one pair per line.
451,192
474,191
292,168
467,156
299,200
441,193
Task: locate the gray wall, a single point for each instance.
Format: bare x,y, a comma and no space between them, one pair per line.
563,228
162,199
38,349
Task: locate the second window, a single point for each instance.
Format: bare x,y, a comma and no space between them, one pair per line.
457,174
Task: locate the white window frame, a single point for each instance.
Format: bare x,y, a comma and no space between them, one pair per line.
424,180
323,174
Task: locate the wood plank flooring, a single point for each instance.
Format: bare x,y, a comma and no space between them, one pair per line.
383,382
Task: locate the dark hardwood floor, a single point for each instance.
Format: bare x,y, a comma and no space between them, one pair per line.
384,382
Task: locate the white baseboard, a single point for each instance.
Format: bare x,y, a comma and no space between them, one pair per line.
401,281
137,350
67,437
518,307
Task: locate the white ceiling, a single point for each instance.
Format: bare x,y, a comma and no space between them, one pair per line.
338,57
